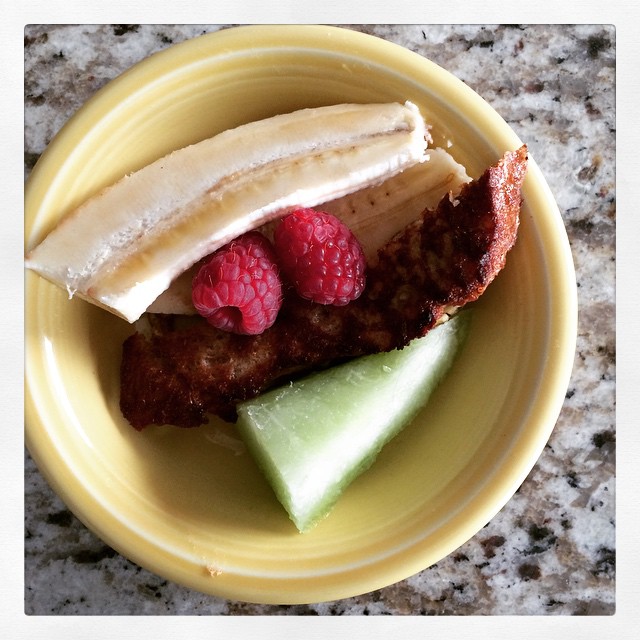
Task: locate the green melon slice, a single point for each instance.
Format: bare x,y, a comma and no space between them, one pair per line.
313,437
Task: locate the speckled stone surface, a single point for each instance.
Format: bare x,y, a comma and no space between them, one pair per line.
551,550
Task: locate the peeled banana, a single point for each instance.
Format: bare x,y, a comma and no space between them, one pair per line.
123,247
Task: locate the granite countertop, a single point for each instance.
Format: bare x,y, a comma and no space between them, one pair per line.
551,550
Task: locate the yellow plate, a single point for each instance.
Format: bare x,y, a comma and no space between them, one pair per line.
187,504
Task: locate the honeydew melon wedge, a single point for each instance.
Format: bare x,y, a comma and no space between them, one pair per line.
313,437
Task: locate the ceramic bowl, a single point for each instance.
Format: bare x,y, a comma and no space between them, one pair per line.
190,505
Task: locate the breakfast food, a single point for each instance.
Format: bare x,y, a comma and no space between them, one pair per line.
248,283
179,371
238,289
139,234
431,239
321,257
313,437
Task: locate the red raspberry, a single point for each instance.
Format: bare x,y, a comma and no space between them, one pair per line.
238,288
320,256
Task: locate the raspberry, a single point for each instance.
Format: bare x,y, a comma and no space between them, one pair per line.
320,256
238,288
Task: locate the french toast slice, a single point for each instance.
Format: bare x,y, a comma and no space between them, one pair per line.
184,369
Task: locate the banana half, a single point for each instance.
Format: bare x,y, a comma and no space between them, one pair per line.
123,247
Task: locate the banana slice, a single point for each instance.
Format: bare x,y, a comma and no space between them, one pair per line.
139,234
